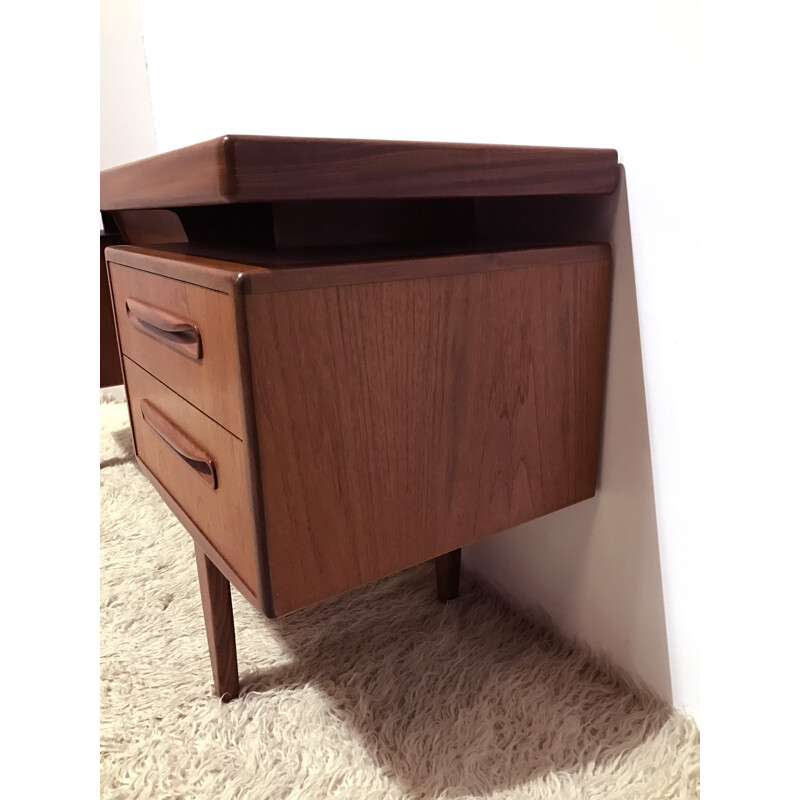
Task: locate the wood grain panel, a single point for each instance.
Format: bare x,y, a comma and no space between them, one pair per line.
222,514
309,169
399,421
210,383
236,169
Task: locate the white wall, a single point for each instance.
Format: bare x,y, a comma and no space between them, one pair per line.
595,566
616,74
127,132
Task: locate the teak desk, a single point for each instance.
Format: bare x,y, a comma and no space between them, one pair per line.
339,363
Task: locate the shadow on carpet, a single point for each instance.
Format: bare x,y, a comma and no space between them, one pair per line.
379,693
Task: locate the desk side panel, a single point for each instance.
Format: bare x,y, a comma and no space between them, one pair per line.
400,420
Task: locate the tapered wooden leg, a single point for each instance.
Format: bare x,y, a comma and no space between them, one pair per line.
448,572
218,612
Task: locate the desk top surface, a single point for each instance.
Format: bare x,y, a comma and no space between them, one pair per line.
245,169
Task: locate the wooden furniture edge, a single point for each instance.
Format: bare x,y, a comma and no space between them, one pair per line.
255,486
248,279
121,187
240,168
317,277
209,273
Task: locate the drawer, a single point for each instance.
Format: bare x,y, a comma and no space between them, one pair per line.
183,334
199,463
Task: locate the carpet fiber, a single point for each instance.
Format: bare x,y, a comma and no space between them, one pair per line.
382,693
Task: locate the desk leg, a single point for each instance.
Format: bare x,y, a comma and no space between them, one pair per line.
218,612
448,572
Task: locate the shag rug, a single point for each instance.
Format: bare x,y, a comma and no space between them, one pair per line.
378,694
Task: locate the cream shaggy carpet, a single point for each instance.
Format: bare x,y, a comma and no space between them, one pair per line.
380,694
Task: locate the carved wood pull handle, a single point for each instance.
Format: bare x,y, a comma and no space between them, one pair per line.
176,333
200,461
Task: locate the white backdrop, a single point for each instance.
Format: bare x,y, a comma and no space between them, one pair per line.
126,117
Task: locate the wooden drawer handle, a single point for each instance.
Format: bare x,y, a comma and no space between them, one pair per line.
197,459
179,334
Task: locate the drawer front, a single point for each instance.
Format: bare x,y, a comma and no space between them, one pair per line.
199,463
183,334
